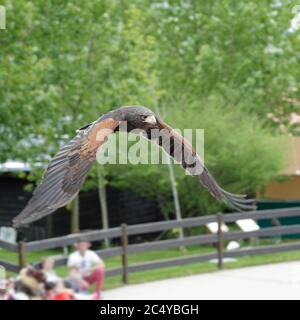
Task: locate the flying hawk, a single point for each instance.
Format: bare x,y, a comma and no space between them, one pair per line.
67,171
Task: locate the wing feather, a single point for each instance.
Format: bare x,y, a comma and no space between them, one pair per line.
182,151
67,171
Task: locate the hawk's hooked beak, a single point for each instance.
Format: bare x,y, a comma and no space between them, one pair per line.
151,120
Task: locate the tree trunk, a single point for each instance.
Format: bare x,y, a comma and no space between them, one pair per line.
103,200
75,215
174,189
175,195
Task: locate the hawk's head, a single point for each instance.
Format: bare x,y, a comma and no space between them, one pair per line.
139,117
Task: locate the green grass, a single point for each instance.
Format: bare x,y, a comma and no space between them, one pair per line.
164,273
203,267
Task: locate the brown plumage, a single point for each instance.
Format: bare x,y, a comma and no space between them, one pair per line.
67,171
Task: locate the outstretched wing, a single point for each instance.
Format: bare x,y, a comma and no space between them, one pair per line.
182,151
67,171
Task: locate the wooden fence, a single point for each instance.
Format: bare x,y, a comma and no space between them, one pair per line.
125,249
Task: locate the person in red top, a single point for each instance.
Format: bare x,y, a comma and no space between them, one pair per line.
62,293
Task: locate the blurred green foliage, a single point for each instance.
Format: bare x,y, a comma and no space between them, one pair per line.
219,65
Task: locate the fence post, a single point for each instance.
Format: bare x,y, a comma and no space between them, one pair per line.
21,252
220,243
125,253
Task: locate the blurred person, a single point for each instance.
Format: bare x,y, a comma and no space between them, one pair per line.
75,280
30,285
10,289
48,270
3,290
50,290
90,266
62,292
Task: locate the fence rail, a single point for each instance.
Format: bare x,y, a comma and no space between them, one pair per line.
8,246
125,249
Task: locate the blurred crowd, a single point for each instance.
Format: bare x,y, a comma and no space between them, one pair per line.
84,281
